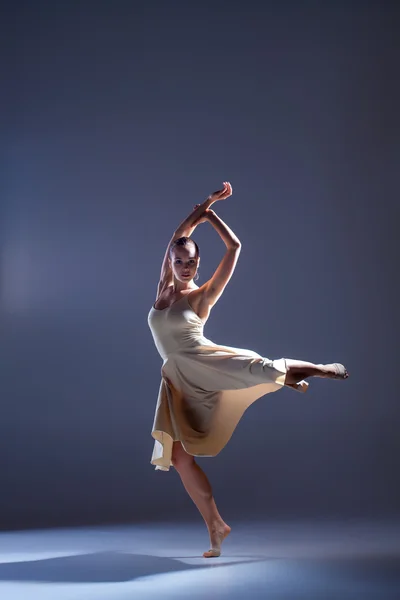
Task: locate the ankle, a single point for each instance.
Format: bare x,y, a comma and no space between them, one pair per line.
216,524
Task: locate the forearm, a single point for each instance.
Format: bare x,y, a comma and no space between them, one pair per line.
188,225
227,235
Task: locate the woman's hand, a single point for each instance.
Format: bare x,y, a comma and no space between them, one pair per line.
200,213
222,194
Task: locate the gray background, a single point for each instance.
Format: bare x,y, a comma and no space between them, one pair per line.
117,117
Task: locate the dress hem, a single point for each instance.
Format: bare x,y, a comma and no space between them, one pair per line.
163,444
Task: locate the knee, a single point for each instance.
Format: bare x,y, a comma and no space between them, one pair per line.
180,458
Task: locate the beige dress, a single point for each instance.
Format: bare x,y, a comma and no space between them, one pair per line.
205,388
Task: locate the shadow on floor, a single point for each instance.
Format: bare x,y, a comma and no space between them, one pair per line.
379,572
102,567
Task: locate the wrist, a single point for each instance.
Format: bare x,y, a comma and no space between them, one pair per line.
209,201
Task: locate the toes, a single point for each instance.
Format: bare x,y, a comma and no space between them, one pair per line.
341,371
212,554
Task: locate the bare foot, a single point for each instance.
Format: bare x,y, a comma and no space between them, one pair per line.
334,371
217,535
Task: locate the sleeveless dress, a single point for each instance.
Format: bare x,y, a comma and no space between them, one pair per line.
205,387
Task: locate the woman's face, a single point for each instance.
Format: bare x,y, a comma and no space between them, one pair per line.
183,262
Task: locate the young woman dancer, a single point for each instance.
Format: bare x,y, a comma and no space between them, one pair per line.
206,387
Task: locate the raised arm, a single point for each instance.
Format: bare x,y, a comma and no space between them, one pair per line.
214,287
186,228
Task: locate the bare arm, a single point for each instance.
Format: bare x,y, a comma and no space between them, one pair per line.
166,271
186,228
228,237
214,287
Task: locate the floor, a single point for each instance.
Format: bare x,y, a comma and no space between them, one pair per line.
296,560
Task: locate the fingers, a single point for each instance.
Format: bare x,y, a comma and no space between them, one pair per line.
224,193
227,191
228,187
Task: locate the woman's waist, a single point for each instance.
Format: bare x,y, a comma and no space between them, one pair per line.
181,347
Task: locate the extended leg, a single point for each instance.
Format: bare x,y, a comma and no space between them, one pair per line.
297,370
199,489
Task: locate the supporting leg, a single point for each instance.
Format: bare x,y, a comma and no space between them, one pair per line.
199,489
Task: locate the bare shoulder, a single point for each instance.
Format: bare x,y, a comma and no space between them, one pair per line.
166,296
199,300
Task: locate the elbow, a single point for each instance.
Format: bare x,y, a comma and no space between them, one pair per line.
235,246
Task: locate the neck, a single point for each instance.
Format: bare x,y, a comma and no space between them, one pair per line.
179,286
